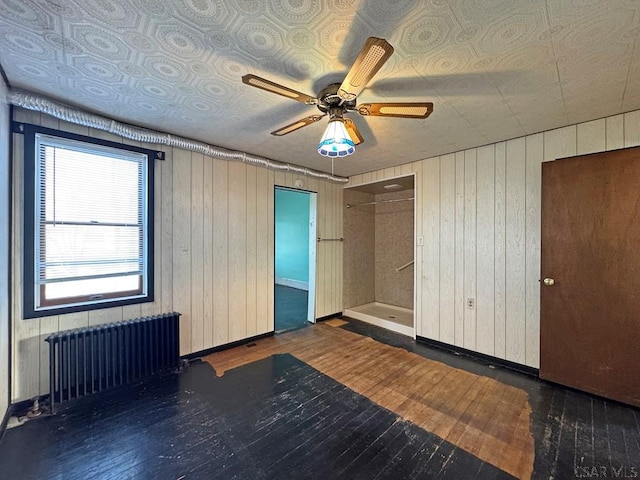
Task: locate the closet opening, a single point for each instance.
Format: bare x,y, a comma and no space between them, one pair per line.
379,226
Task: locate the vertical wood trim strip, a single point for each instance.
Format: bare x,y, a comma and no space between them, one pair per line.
262,250
220,252
271,248
447,249
166,234
486,227
591,137
515,251
431,250
388,172
470,241
208,254
459,301
560,143
534,156
614,132
500,251
182,244
197,252
237,238
632,129
252,247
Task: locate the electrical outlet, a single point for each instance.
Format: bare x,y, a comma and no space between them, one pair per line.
420,241
470,303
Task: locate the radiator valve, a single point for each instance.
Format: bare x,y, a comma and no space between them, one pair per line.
35,410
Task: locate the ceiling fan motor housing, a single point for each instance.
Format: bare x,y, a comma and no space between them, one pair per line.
329,100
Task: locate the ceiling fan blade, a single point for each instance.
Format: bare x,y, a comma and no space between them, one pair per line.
374,53
292,127
402,110
353,132
269,86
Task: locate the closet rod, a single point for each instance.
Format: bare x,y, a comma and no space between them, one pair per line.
349,205
408,264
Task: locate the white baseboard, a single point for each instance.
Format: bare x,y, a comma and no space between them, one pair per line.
288,282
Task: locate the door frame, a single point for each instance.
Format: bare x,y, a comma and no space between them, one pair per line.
313,227
313,233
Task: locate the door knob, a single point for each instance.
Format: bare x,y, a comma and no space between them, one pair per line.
549,282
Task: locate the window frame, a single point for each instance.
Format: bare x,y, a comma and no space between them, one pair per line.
31,228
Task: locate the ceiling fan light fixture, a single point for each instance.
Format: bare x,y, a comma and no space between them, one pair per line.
336,141
336,99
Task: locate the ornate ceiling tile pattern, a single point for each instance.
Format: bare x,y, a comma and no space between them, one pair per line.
494,69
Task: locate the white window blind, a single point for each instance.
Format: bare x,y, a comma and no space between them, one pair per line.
90,225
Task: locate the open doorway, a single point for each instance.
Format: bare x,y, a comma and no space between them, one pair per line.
295,258
379,252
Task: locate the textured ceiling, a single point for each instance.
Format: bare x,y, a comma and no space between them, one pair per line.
494,69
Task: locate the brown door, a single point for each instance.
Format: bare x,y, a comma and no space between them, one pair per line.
590,315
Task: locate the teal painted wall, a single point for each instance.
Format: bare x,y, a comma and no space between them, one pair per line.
292,235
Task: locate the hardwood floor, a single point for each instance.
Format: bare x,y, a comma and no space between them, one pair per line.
576,435
274,415
480,415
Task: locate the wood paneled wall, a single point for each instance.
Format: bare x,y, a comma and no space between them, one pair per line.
4,246
214,243
479,214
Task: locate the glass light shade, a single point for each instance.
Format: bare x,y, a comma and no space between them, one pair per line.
336,141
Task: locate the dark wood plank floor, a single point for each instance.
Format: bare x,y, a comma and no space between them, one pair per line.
273,419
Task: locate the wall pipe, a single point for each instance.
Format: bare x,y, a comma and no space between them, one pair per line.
38,103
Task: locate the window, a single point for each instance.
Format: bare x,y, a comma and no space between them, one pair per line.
88,223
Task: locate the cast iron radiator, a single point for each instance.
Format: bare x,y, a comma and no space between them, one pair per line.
88,360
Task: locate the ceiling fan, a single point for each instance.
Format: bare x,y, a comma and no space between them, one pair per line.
337,99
